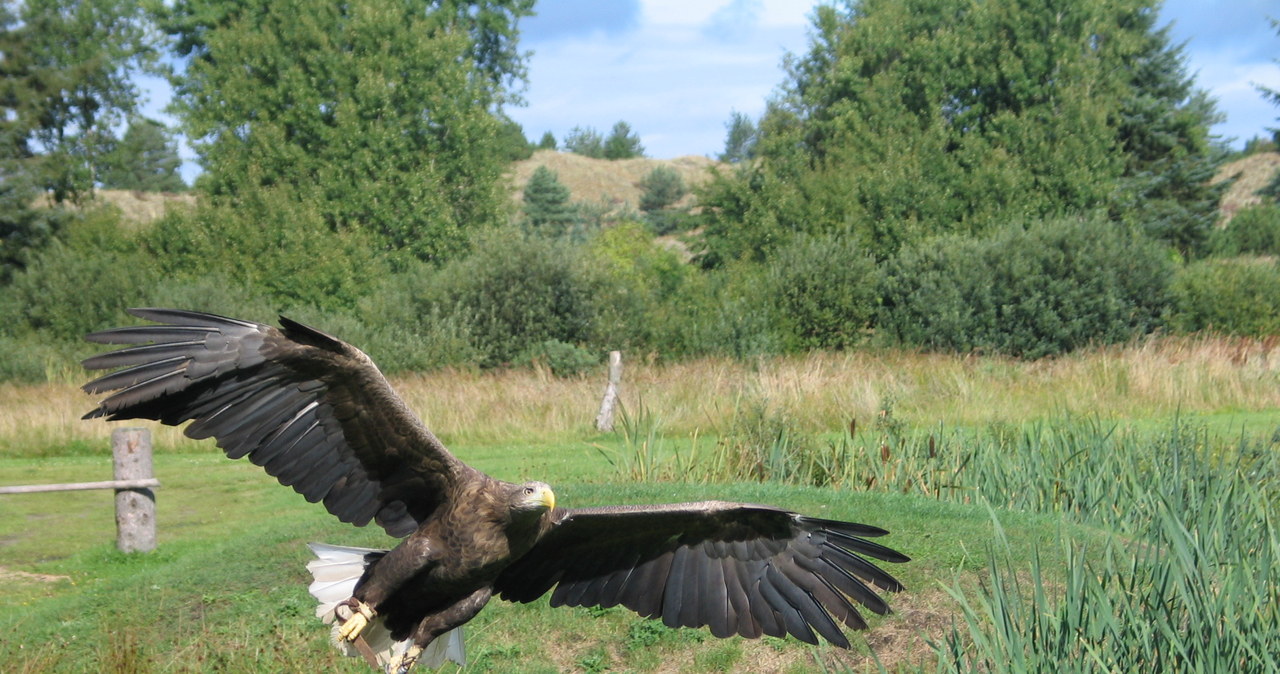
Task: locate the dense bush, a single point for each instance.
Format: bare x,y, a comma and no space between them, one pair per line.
1254,230
1238,296
1030,292
823,292
78,283
513,291
277,242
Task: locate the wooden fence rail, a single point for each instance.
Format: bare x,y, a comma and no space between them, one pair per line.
135,502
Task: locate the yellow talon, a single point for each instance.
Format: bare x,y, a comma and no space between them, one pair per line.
354,625
403,662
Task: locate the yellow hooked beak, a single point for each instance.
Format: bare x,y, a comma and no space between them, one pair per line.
539,494
547,497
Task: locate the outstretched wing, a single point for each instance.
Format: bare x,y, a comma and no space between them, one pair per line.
311,409
735,568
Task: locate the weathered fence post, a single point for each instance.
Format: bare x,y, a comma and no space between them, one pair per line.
135,507
604,420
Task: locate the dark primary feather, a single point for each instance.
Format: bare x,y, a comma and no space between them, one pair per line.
736,568
312,410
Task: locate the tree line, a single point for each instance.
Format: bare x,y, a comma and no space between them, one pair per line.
1001,177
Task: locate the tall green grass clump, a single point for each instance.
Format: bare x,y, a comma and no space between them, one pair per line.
1192,589
1181,572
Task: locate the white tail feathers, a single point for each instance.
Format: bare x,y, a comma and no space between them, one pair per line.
336,571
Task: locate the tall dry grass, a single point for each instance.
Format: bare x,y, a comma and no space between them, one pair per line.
820,392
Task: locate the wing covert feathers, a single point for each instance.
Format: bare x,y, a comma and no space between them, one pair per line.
734,568
310,409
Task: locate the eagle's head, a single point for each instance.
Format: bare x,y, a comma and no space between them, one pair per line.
532,499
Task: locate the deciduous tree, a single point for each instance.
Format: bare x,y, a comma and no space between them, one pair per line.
384,114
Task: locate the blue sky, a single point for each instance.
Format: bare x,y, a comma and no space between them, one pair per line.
676,69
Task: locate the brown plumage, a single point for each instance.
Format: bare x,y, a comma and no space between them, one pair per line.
318,415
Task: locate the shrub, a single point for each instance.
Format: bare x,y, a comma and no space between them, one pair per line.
1034,292
275,242
722,312
1238,296
1253,230
564,360
633,281
80,283
515,290
661,188
823,292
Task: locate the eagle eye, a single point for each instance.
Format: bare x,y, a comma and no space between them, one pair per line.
528,490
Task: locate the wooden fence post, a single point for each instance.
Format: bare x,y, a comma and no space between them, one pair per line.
135,507
604,420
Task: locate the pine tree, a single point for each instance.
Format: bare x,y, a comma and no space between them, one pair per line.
585,141
660,188
146,159
1163,131
546,202
547,142
740,139
622,143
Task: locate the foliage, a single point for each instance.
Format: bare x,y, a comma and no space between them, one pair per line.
823,293
564,360
622,143
547,142
585,141
671,221
78,283
145,159
1238,296
372,111
24,229
512,144
724,312
906,120
1163,131
1033,292
276,242
515,290
740,139
1254,230
636,283
546,202
661,188
68,79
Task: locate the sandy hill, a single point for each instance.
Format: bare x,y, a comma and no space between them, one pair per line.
611,183
1252,173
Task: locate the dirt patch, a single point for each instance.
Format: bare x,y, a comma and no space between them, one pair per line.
15,575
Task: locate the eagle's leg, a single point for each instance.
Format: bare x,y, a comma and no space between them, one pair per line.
355,616
380,580
437,624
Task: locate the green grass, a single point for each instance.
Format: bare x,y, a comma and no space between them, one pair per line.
226,588
1104,544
